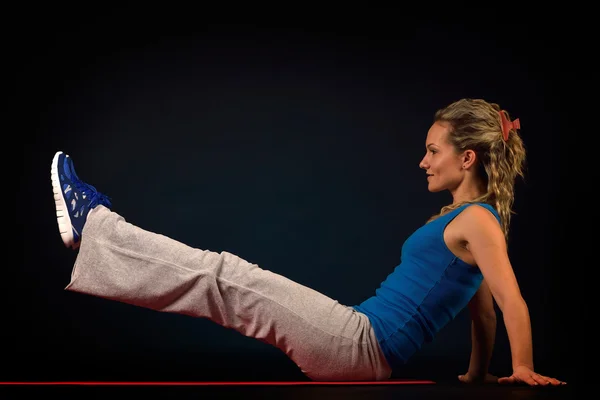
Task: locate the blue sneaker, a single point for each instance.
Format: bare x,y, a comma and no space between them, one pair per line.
74,199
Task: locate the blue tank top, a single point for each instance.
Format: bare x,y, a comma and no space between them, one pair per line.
423,293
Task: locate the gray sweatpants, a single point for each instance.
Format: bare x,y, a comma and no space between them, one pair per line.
328,341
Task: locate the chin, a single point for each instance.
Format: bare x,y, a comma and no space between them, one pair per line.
433,189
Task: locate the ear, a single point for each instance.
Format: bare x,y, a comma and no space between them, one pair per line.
468,159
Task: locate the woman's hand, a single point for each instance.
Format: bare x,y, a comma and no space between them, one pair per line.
525,375
469,378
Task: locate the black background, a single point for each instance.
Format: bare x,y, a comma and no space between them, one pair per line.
292,144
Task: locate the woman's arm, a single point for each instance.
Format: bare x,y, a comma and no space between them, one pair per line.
483,331
485,241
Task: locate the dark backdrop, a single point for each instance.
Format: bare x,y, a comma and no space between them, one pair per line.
294,146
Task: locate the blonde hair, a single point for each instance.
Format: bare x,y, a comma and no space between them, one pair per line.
476,125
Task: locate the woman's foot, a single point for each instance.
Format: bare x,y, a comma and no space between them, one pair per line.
73,199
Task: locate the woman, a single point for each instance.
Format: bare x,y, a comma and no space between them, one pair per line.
457,259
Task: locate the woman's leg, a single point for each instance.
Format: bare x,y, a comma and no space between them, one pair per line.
120,261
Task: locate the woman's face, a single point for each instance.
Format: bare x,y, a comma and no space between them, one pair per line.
441,162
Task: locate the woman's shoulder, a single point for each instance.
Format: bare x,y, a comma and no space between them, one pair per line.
478,213
481,206
469,212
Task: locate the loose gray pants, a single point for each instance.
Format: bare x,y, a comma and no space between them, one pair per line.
328,341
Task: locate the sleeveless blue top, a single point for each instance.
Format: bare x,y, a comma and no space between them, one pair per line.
423,293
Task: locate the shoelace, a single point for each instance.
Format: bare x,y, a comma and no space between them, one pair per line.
94,196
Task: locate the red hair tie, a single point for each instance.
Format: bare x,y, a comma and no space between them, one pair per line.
507,125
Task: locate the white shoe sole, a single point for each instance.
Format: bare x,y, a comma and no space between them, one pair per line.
62,214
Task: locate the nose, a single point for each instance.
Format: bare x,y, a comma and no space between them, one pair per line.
423,164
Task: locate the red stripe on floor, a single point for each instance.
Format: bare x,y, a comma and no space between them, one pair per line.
257,383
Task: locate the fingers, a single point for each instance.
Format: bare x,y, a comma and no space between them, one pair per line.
507,380
551,381
541,380
536,379
532,380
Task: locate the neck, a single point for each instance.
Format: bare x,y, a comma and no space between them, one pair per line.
468,191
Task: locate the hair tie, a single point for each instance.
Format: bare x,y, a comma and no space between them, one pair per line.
507,125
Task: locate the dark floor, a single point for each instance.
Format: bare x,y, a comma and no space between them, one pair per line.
374,392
